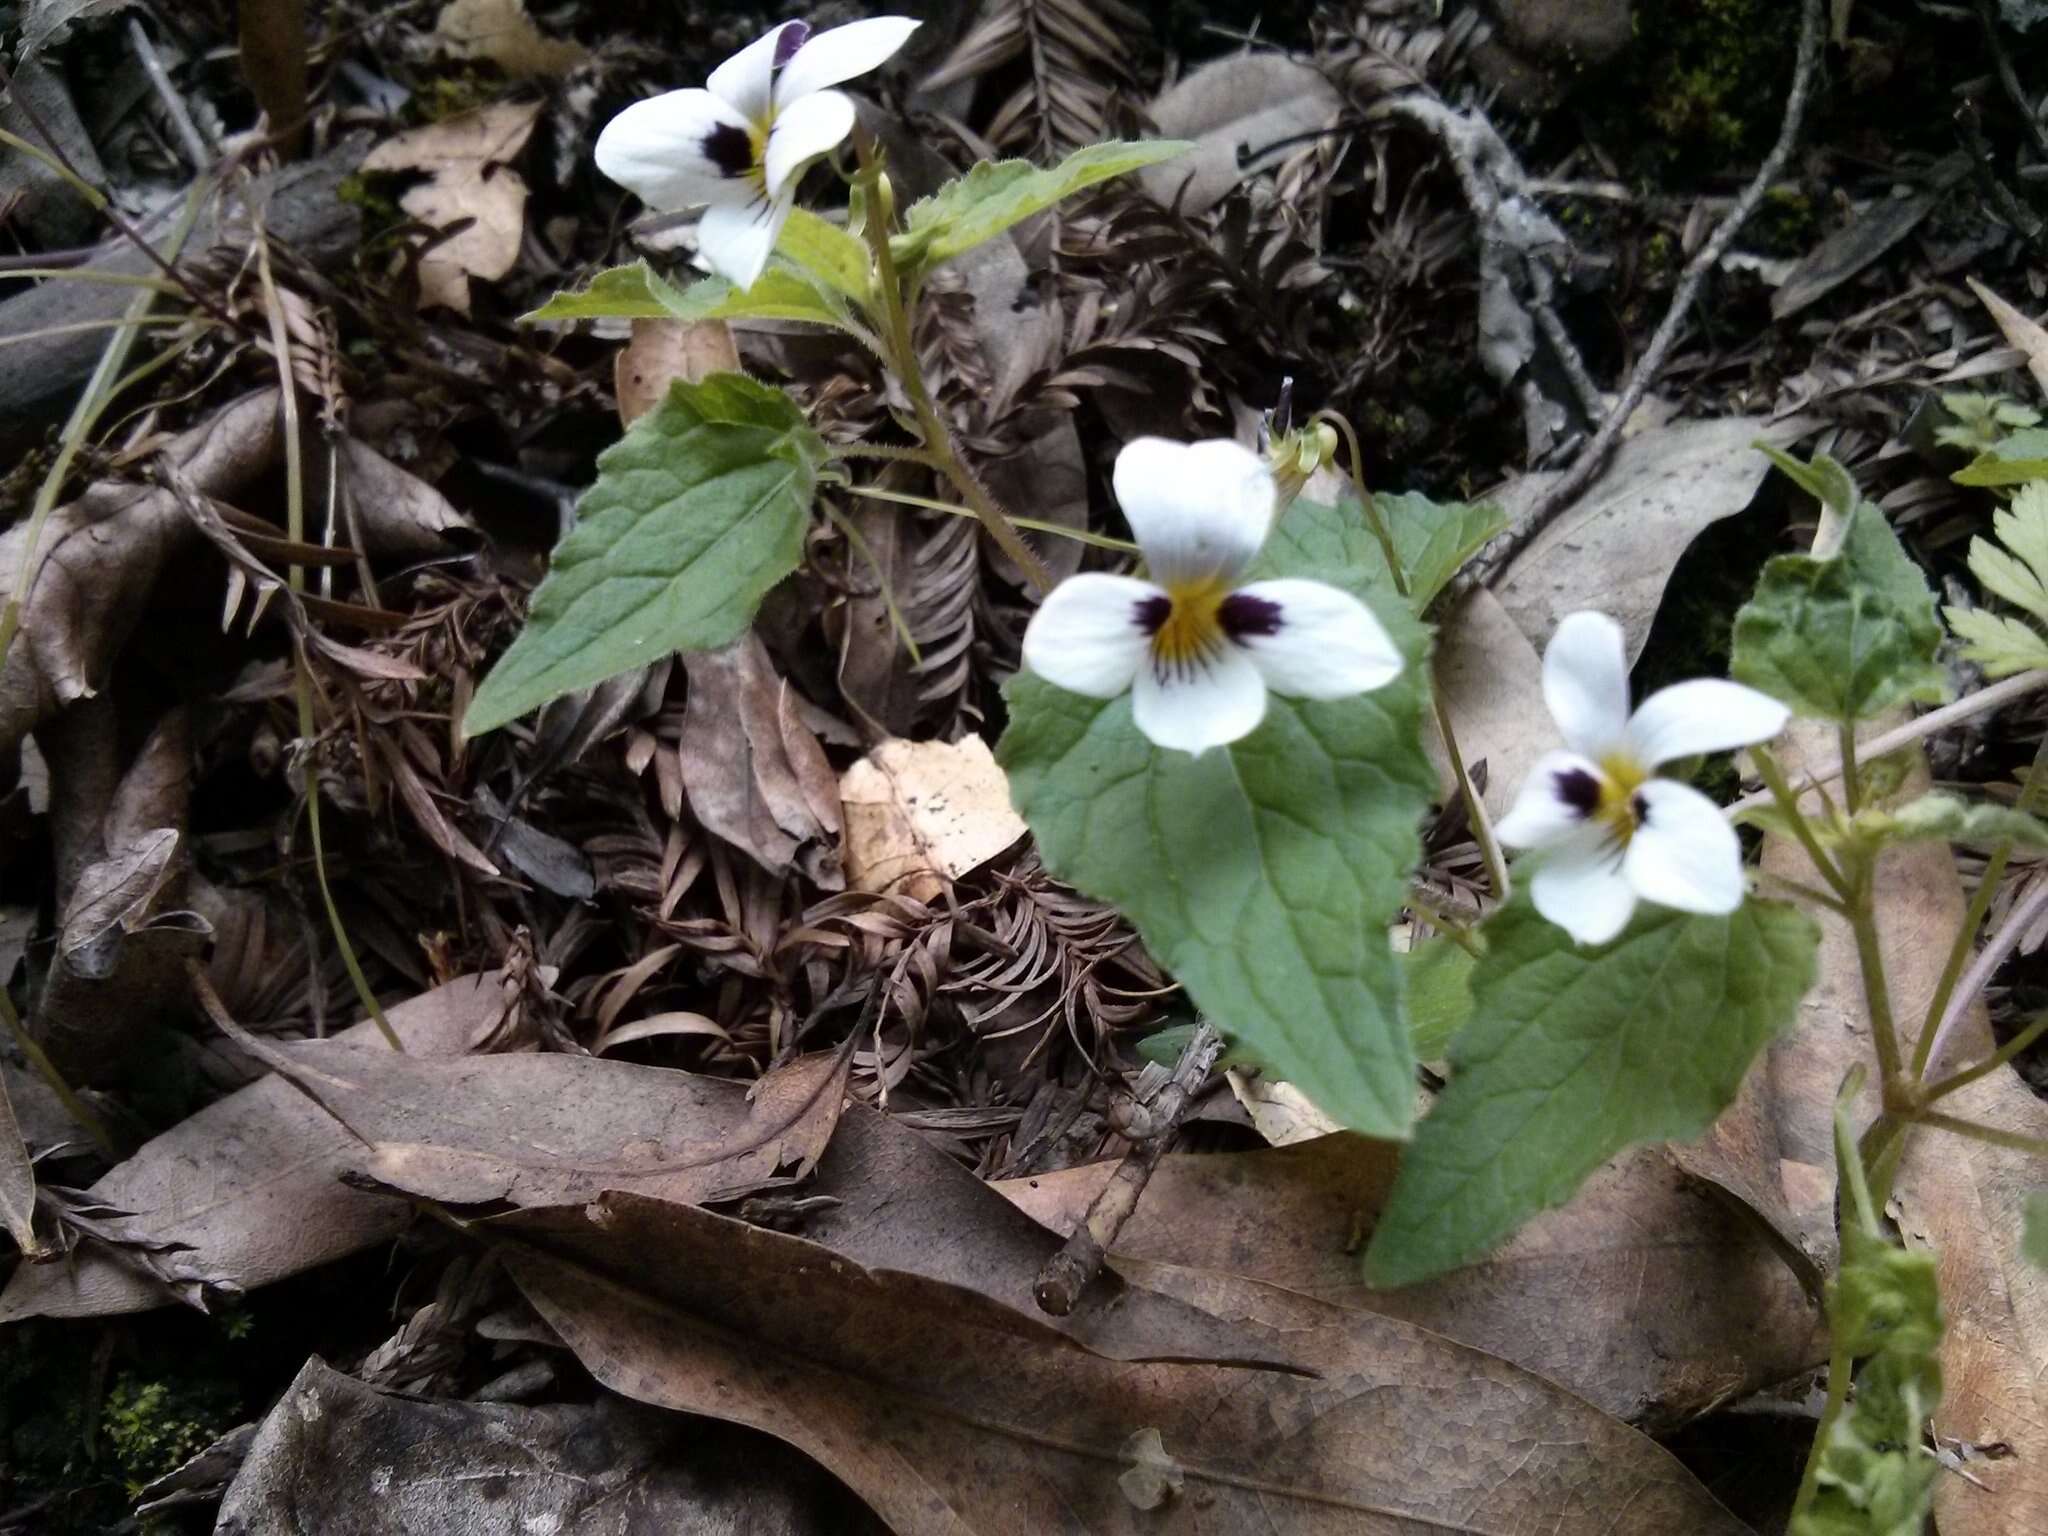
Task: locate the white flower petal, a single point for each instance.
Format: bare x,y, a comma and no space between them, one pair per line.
1089,635
1581,888
1310,640
1684,853
1585,683
1704,716
1207,705
735,242
842,53
657,149
1554,803
1198,510
747,79
805,129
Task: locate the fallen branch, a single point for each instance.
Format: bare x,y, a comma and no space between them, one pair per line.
1153,1122
1494,559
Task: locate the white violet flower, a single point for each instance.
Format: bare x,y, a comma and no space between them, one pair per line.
1197,651
1613,833
740,145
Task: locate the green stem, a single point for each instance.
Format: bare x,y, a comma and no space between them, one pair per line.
1991,1063
1852,784
46,1069
1870,959
1774,780
1973,920
900,351
2037,1145
1079,535
1451,929
1840,1365
1475,808
1373,520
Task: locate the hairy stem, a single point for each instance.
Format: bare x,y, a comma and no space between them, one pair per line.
900,352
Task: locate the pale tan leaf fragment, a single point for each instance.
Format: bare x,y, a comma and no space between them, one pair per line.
665,352
17,1184
921,813
466,161
500,32
2024,333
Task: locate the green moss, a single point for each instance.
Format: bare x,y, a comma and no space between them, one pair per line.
454,93
152,1427
1786,223
1709,76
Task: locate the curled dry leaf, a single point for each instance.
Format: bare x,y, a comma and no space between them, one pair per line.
1615,547
250,1184
396,512
336,1455
17,1183
921,813
754,773
1379,1427
552,1128
469,176
1642,1295
99,558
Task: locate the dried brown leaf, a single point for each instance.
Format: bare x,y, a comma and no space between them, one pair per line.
1008,1428
737,768
1644,1296
250,1182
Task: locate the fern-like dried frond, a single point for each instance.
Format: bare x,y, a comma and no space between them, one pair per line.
1077,63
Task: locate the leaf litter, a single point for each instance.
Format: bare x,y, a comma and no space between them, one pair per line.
734,1000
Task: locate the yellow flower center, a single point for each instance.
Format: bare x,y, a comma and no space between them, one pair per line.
1620,777
1193,627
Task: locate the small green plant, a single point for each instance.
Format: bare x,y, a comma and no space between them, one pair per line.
1978,422
1226,739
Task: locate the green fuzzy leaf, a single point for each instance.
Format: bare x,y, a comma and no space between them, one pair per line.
638,292
2015,459
1573,1054
1164,1046
1847,637
831,254
1435,539
1439,993
1263,875
997,194
696,513
1947,818
2016,567
2000,645
2034,1244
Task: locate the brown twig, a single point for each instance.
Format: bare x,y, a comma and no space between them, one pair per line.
1565,489
1070,1271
